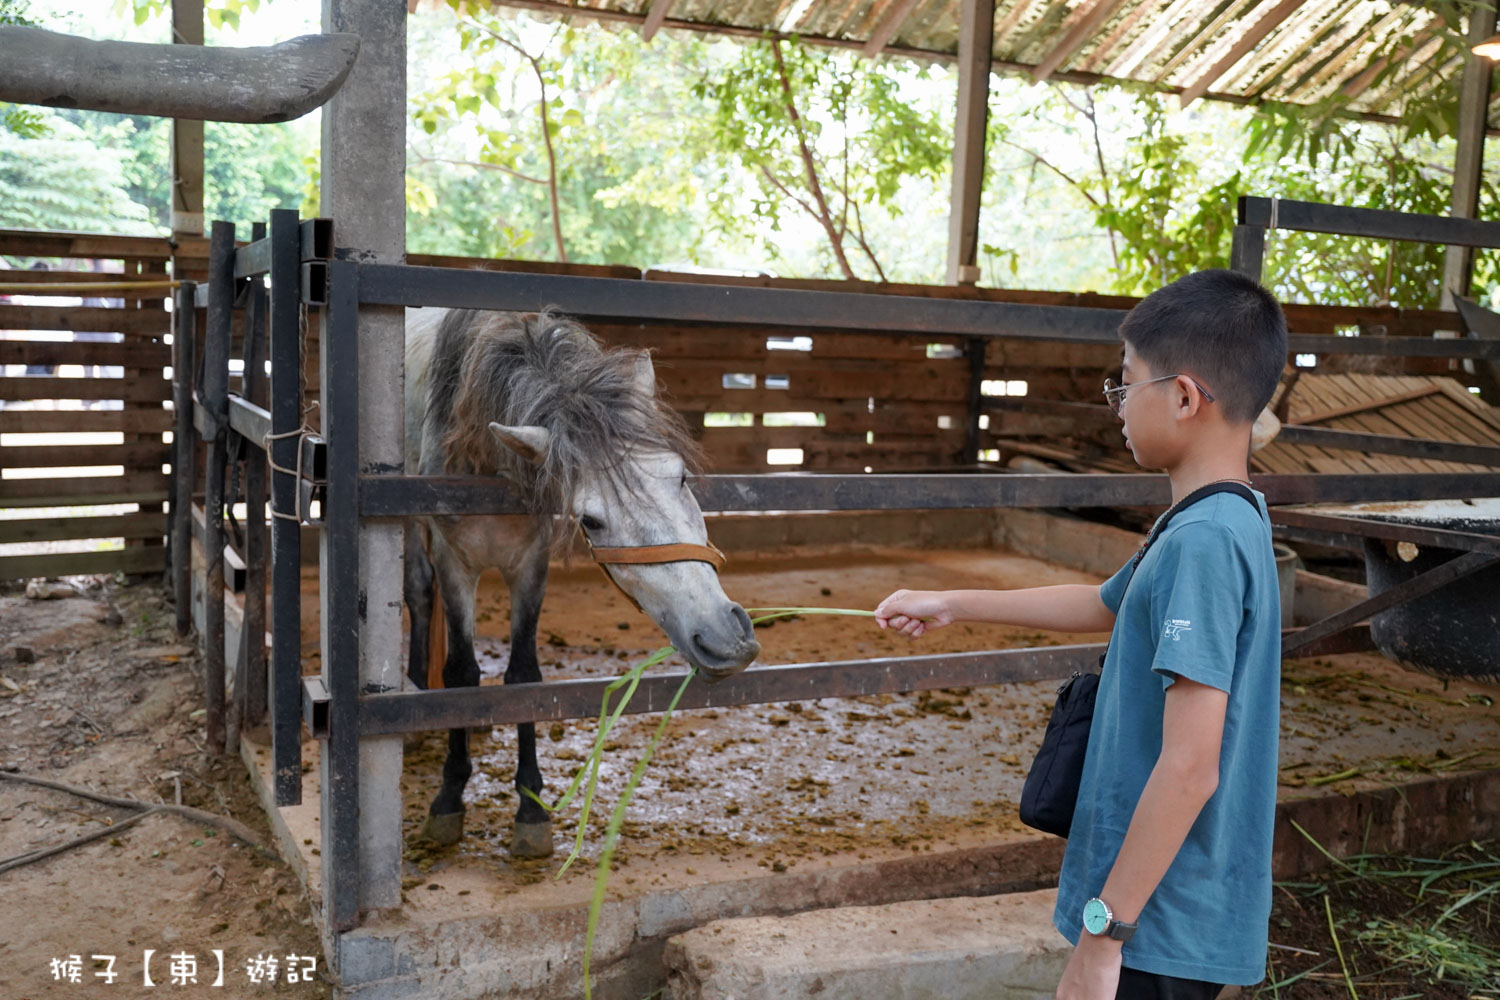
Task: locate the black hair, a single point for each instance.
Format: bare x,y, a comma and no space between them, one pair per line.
1219,326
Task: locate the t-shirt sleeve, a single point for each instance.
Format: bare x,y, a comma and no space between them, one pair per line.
1112,591
1198,592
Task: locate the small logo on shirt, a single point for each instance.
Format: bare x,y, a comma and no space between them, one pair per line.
1175,628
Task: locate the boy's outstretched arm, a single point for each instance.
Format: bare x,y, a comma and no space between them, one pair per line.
1070,607
1184,779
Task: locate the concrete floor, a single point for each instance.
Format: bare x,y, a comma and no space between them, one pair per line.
781,808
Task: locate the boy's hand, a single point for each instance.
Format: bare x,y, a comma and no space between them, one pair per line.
905,611
1093,972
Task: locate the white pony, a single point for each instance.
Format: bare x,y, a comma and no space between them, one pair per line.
582,436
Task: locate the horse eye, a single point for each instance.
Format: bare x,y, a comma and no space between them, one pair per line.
684,481
591,523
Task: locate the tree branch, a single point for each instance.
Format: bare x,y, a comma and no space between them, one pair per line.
766,172
478,165
823,215
859,224
1038,159
1091,113
541,79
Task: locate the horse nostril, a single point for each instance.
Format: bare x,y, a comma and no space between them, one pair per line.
747,630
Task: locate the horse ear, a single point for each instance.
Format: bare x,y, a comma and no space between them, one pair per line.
645,374
530,443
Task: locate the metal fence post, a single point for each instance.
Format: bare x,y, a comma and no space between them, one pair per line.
344,609
286,533
252,659
216,416
184,451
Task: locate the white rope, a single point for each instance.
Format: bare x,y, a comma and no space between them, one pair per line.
1275,210
300,434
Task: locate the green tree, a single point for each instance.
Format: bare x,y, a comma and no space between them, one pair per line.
65,179
824,134
546,141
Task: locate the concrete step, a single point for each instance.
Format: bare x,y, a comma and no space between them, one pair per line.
990,947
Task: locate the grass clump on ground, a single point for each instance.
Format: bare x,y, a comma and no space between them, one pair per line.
1383,927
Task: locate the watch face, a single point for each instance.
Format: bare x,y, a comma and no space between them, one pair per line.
1095,916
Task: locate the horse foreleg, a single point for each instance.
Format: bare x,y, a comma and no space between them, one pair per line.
417,589
445,818
528,584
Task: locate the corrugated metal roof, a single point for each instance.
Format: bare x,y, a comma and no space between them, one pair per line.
1377,54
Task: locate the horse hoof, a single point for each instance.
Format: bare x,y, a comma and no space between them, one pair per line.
443,830
532,840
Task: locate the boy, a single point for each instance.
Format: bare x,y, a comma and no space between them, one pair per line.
1165,889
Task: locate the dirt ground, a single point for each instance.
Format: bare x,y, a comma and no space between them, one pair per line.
109,703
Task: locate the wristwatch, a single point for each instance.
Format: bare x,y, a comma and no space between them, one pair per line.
1099,920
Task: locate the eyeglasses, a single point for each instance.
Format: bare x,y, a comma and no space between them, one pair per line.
1114,393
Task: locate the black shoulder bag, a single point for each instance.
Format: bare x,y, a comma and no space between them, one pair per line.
1051,791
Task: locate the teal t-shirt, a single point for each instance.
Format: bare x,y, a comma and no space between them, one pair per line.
1203,604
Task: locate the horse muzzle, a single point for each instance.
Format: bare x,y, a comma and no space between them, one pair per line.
718,648
721,653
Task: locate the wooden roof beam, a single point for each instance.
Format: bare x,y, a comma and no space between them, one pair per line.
1316,78
1141,50
1240,50
1361,81
1090,20
1012,19
1321,36
885,29
1124,28
655,17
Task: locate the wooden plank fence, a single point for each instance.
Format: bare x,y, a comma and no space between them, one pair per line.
83,394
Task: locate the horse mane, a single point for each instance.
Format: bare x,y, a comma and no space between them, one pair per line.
542,369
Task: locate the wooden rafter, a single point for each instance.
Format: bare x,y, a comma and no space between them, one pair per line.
1420,70
1089,19
1361,81
1122,30
885,29
1012,19
1247,43
1323,30
1316,78
1141,50
1203,36
655,17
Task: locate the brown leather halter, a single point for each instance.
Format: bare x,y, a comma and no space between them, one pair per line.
646,554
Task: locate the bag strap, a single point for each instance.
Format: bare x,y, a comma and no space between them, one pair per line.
1201,493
